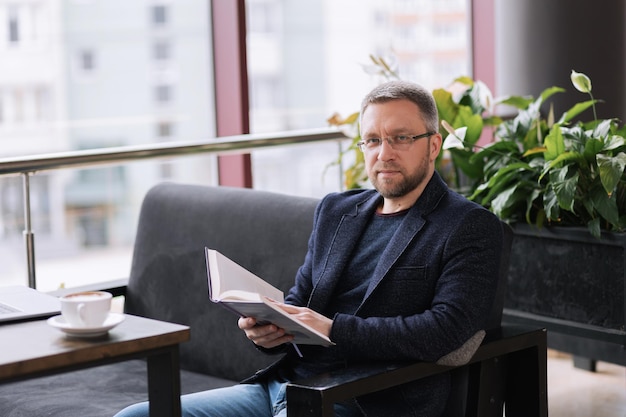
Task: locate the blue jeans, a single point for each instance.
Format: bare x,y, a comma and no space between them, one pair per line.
262,399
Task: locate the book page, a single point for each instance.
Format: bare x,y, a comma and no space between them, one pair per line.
227,275
237,295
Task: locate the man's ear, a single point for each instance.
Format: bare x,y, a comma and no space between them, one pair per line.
436,142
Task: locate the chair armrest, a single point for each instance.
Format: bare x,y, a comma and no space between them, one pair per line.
316,396
116,287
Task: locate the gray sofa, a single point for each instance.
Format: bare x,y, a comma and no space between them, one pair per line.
267,233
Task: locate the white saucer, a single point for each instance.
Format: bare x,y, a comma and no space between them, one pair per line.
111,321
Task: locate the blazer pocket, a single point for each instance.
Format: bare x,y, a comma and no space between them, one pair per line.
404,290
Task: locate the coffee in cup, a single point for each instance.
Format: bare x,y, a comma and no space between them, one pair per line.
86,309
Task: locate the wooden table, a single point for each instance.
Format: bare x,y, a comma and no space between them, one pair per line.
33,348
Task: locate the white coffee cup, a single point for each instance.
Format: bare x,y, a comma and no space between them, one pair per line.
86,309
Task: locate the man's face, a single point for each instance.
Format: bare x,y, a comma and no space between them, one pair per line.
397,172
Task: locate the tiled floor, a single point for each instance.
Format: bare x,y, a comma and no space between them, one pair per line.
573,392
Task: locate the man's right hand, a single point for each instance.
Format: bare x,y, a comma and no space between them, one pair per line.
267,336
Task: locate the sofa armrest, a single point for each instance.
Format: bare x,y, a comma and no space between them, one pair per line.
523,384
116,287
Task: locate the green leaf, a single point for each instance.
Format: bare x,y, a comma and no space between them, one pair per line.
576,110
353,118
611,169
592,148
526,119
551,204
621,131
593,226
478,98
564,157
461,159
473,122
588,205
499,149
602,129
549,92
529,203
492,120
464,79
554,143
564,184
519,102
446,106
605,205
501,180
614,142
503,201
534,151
534,135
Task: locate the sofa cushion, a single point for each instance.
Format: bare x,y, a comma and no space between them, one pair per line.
266,233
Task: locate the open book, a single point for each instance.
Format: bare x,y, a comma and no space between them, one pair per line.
244,293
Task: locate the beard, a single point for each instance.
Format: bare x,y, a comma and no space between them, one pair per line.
394,188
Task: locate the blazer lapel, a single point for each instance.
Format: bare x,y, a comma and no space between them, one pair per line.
347,235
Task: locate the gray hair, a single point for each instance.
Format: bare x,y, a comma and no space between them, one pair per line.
406,90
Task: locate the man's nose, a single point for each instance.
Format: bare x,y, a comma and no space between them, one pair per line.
385,151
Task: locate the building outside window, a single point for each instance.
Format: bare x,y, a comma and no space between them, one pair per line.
159,15
87,60
164,130
163,94
161,51
13,24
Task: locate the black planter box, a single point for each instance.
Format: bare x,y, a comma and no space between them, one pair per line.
573,284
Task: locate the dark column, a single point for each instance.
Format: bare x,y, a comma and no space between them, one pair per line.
539,42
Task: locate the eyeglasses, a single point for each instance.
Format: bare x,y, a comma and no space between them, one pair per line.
398,142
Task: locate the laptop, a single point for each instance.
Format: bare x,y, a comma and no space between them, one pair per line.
19,302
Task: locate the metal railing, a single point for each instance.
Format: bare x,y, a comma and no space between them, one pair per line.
28,165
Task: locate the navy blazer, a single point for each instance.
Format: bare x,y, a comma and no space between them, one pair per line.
432,289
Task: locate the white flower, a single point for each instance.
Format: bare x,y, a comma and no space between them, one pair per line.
485,96
455,137
581,82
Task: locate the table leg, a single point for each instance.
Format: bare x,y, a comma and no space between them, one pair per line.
164,383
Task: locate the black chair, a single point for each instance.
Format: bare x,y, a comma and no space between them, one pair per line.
507,371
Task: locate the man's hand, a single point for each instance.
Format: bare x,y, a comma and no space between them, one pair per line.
267,336
270,335
314,319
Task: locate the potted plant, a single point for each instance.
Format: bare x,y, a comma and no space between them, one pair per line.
560,182
548,171
566,178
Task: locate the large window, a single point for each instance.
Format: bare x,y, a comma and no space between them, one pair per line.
308,60
82,74
79,75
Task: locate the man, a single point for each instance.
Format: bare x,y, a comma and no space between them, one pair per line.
406,271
